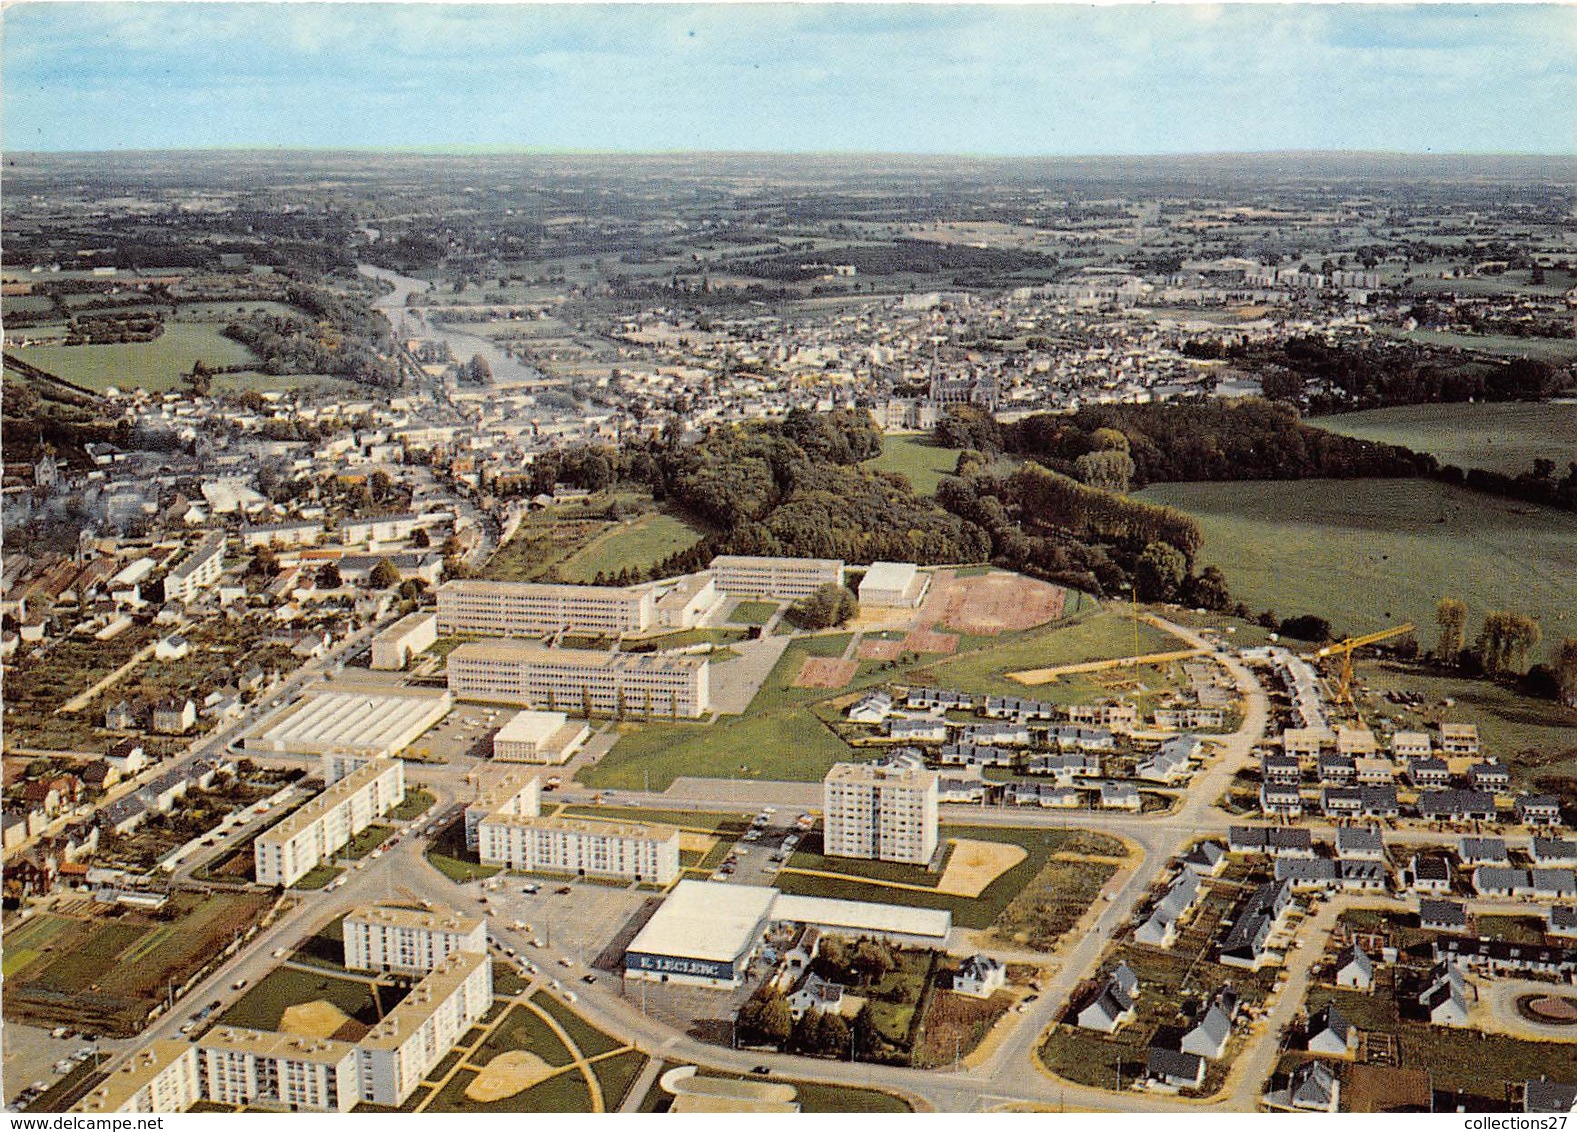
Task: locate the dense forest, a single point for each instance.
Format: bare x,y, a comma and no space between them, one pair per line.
1182,441
343,336
1322,377
798,487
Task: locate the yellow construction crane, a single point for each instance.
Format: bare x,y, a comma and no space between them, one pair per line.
1345,648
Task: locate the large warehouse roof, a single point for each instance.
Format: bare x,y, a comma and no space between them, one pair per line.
706,920
373,722
862,915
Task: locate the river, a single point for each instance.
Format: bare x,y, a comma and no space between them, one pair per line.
412,323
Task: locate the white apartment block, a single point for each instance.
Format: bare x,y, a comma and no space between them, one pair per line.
529,675
295,846
282,536
784,579
580,846
413,1037
384,528
410,636
515,609
516,791
197,571
257,1067
378,938
883,813
162,1077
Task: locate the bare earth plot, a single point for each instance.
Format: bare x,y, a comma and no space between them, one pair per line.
825,672
993,603
877,649
975,864
929,640
316,1019
513,1071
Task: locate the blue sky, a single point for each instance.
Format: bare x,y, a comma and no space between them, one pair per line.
882,78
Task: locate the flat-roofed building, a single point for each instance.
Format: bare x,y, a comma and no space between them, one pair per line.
580,847
370,724
516,791
785,579
160,1077
539,737
528,675
382,938
704,934
238,1066
282,535
893,585
534,609
197,571
682,603
298,843
880,812
399,1051
411,635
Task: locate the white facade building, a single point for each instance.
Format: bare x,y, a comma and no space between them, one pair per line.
379,938
539,737
297,844
410,636
512,609
529,675
580,846
785,579
418,1033
885,813
197,571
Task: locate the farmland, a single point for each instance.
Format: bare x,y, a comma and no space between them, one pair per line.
1366,553
108,971
1500,437
1555,350
155,366
636,545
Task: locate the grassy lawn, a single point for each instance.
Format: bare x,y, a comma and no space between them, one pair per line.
685,637
261,1007
616,1074
507,982
447,853
840,1098
794,746
637,545
366,841
1101,636
1536,738
1555,350
564,1092
809,858
753,612
1366,553
523,1029
1030,875
591,1040
1502,437
155,366
317,877
417,802
916,457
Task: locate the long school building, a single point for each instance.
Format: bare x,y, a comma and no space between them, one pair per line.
513,609
785,579
529,675
580,847
294,847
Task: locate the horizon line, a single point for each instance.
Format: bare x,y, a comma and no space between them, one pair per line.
488,149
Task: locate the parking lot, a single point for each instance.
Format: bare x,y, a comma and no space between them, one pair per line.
466,732
34,1056
758,855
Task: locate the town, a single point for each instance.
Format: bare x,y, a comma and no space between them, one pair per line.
536,632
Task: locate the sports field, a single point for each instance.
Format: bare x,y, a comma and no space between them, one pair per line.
1555,350
1501,437
1368,553
917,458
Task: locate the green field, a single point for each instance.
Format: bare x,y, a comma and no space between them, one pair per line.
1557,350
261,1007
753,612
1367,553
1035,872
916,457
637,545
155,366
1501,437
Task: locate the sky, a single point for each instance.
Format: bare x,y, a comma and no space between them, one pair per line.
891,78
